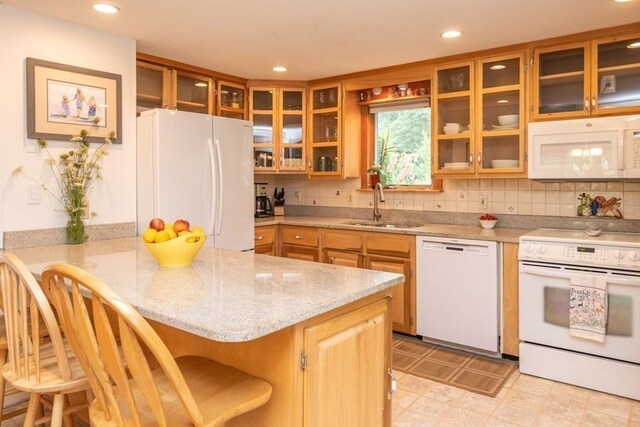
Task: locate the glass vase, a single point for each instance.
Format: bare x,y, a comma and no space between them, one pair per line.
75,231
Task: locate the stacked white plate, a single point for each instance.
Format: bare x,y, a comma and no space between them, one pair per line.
456,165
504,163
497,127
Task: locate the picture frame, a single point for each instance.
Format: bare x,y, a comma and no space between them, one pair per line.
64,99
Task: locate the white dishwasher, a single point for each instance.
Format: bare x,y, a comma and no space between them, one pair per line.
457,292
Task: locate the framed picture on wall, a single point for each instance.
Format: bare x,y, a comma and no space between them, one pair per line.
63,99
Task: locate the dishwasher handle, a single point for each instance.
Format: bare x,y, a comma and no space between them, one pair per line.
462,248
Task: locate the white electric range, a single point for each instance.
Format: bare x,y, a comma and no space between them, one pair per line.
548,259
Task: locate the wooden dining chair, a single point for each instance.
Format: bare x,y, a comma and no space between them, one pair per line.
189,390
41,367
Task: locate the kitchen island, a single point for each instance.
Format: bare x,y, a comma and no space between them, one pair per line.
320,334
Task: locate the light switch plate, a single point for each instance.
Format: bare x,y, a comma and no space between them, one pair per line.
608,84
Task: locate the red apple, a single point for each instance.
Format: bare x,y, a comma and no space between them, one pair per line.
157,224
181,225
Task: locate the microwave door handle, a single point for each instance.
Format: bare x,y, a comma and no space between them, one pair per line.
562,275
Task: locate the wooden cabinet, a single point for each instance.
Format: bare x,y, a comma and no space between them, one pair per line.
346,369
333,140
510,295
153,86
299,243
479,120
192,92
231,100
279,128
265,240
599,77
383,252
395,253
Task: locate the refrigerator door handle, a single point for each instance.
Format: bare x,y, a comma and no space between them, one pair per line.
220,206
213,186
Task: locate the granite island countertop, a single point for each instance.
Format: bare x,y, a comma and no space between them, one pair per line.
225,295
510,235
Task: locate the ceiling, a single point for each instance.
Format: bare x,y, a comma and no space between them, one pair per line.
323,38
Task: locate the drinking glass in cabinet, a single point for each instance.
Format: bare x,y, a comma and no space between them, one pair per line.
291,100
262,129
292,158
501,73
325,98
325,127
232,97
561,80
262,100
619,74
263,158
453,80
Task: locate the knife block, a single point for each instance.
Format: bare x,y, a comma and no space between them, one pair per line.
278,210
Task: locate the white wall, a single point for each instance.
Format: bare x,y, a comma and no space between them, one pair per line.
24,34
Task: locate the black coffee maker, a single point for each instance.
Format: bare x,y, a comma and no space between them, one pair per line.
263,204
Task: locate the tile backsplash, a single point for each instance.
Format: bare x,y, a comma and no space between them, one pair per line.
501,196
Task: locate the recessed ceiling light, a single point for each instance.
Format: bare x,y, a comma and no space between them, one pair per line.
452,34
621,1
502,101
634,45
201,84
105,8
279,69
498,67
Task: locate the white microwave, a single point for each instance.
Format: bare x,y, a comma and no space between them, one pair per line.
603,148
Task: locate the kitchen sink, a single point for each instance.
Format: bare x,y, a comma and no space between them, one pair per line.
385,224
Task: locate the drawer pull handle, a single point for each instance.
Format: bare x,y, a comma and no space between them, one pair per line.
259,237
394,384
298,237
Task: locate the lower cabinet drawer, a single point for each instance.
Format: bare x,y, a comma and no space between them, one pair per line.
390,245
303,236
265,235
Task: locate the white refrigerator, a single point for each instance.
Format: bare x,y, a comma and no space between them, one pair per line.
199,168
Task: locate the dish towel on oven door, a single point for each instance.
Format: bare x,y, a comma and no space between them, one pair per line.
588,307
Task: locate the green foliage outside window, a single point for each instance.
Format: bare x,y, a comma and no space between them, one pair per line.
403,146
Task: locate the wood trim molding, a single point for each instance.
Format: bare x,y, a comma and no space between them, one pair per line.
140,56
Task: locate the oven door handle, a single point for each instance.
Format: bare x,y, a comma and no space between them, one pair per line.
562,275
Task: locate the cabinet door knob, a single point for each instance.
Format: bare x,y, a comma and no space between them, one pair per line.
298,237
586,105
259,237
480,157
471,158
593,104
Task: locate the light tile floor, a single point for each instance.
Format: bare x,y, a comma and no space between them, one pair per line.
524,401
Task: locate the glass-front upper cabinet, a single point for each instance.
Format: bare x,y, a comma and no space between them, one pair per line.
601,77
291,103
153,86
325,134
500,102
561,81
278,116
615,85
262,114
231,100
453,118
192,92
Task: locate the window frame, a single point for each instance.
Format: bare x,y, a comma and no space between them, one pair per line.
368,140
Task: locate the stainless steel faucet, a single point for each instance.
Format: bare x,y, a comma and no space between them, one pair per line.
376,212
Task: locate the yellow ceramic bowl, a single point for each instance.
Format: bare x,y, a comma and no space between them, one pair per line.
178,252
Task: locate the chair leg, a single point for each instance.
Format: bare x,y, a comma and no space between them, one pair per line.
67,418
3,360
56,412
32,410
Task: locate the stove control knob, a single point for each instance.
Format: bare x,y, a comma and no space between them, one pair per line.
541,248
618,254
528,247
634,256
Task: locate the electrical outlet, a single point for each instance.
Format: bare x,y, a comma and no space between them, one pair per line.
608,84
484,202
298,195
